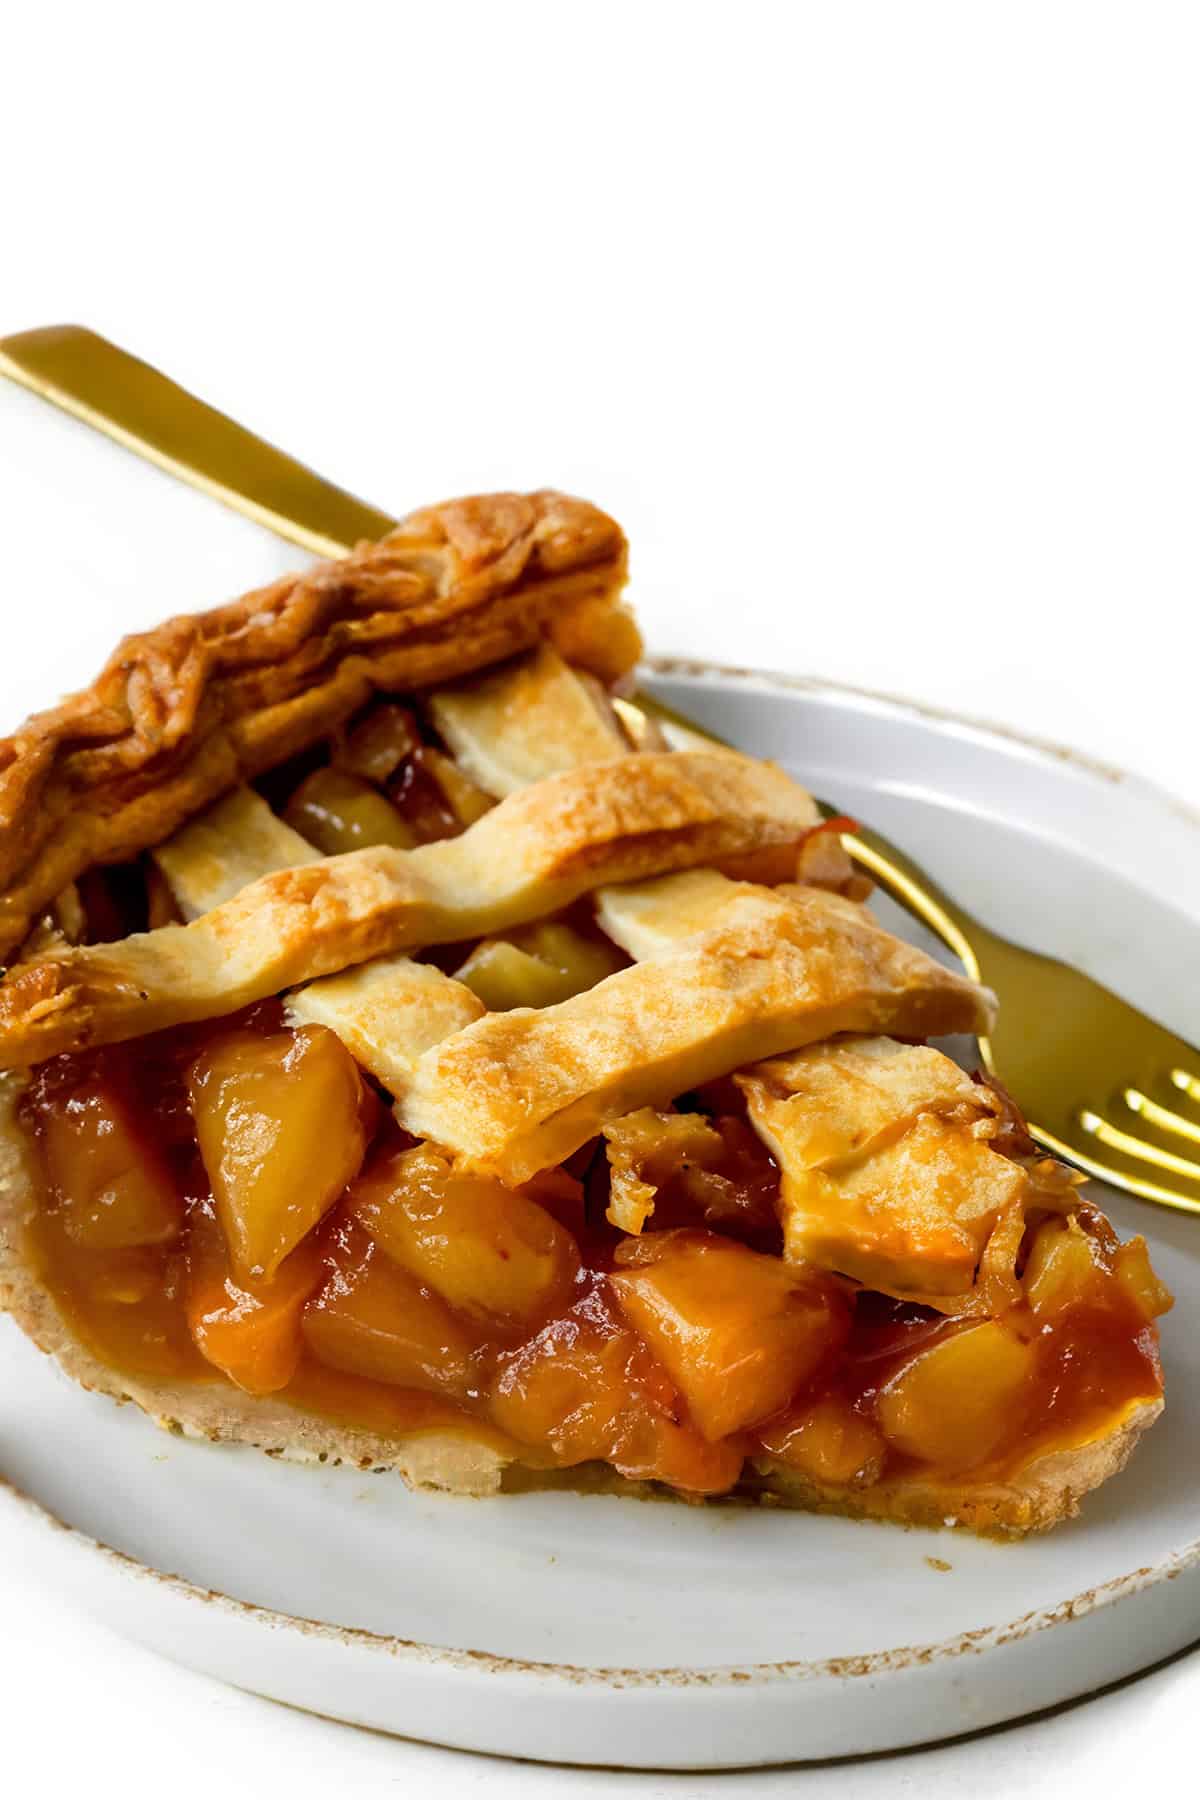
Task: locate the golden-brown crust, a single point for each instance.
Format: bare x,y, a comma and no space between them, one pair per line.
1048,1490
182,713
535,852
226,847
750,975
888,1171
387,1013
532,718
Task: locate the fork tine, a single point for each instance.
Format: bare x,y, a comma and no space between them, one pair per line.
1108,1163
1161,1116
1187,1083
1113,1138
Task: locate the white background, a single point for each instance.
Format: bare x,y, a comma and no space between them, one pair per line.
878,327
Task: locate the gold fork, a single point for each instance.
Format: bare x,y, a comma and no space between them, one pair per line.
1102,1084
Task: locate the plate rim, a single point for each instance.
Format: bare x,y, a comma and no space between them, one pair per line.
1178,1563
585,1675
1047,750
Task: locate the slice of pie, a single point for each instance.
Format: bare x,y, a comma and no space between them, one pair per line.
416,1058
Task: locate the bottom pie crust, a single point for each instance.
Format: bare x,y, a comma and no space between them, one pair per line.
1047,1490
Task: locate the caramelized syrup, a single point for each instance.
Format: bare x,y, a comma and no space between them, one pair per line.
587,1350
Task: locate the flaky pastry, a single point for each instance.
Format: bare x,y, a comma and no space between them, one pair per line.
522,723
519,1091
531,855
184,712
888,1169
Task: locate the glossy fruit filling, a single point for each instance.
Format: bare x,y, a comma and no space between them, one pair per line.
234,1201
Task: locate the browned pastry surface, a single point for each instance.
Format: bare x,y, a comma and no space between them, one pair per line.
183,712
517,1091
535,852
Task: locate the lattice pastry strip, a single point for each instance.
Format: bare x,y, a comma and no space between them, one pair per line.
387,1013
235,842
182,713
390,1010
888,1170
516,725
520,1091
533,854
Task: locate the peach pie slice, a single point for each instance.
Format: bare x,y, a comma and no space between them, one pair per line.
414,1058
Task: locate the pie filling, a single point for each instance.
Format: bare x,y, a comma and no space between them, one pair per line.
236,1200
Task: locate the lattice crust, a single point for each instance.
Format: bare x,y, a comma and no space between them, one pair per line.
387,1013
889,1174
520,1091
394,1013
517,725
654,918
390,1010
531,855
235,842
183,713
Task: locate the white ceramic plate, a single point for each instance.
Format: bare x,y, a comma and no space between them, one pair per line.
595,1630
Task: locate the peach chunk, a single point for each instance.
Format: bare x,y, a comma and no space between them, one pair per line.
738,1332
281,1121
374,1319
1138,1281
827,1441
115,1188
570,1388
1068,1267
465,798
246,1326
537,965
587,1389
1064,1268
489,1250
337,811
656,1448
957,1401
420,799
375,747
561,1195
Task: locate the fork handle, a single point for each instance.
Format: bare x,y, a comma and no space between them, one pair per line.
144,411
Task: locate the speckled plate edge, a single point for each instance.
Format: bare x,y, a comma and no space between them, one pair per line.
669,1718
